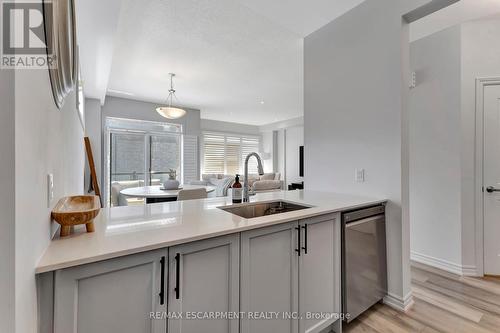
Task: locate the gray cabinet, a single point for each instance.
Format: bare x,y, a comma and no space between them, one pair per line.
269,278
113,296
319,272
204,281
292,269
263,280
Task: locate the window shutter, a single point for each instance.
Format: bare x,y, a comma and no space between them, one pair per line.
250,145
190,155
232,155
213,153
225,154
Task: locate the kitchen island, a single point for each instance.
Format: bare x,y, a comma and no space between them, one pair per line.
190,266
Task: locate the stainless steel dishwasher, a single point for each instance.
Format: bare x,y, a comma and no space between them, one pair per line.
364,260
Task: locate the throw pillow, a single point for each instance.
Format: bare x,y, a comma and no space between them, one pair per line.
222,186
267,176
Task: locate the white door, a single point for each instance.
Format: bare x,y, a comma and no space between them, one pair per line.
269,278
203,283
319,273
492,180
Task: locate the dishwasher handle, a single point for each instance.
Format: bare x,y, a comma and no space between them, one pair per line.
367,220
361,214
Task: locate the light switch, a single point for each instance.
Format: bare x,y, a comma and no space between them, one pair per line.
50,189
359,175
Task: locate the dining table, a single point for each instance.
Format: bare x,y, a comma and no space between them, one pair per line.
156,193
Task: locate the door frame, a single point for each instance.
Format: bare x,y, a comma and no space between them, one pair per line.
481,84
147,133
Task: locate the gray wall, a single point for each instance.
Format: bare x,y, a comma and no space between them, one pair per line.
228,127
48,140
7,204
356,89
131,109
435,147
93,131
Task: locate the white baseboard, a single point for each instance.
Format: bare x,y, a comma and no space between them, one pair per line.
461,270
398,303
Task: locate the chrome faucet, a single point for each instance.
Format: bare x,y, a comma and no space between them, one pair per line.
246,194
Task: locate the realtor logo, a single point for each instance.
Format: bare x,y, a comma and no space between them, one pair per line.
23,35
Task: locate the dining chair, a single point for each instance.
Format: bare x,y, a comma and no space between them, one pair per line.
199,193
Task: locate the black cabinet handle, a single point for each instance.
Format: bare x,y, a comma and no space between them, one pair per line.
298,241
177,275
305,238
162,281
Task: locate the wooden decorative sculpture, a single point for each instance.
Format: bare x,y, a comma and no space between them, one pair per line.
71,211
93,174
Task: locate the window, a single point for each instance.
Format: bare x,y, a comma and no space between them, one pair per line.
226,153
142,153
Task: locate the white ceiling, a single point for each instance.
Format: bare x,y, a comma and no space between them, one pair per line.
229,56
462,11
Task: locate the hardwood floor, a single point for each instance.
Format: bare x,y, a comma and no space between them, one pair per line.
443,303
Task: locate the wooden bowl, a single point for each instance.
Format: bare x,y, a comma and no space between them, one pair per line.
75,210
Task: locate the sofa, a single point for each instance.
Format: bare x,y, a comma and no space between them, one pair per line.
268,182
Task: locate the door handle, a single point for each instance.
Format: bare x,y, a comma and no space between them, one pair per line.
177,275
305,239
162,281
491,189
298,240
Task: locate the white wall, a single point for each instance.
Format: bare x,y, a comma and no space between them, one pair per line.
299,121
269,148
435,148
7,201
283,140
48,140
355,116
480,58
443,141
294,139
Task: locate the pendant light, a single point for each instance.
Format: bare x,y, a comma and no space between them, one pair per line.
169,111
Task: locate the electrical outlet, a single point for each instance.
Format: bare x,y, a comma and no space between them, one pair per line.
50,189
359,175
413,80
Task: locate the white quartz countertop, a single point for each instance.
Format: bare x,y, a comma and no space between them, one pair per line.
127,230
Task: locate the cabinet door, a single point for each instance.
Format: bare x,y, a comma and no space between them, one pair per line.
204,280
319,272
269,278
112,296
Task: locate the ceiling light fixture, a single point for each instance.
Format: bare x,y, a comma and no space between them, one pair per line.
169,111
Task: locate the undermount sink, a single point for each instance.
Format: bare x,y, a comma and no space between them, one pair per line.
252,210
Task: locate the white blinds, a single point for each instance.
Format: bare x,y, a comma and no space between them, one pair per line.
232,155
225,153
213,153
249,145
